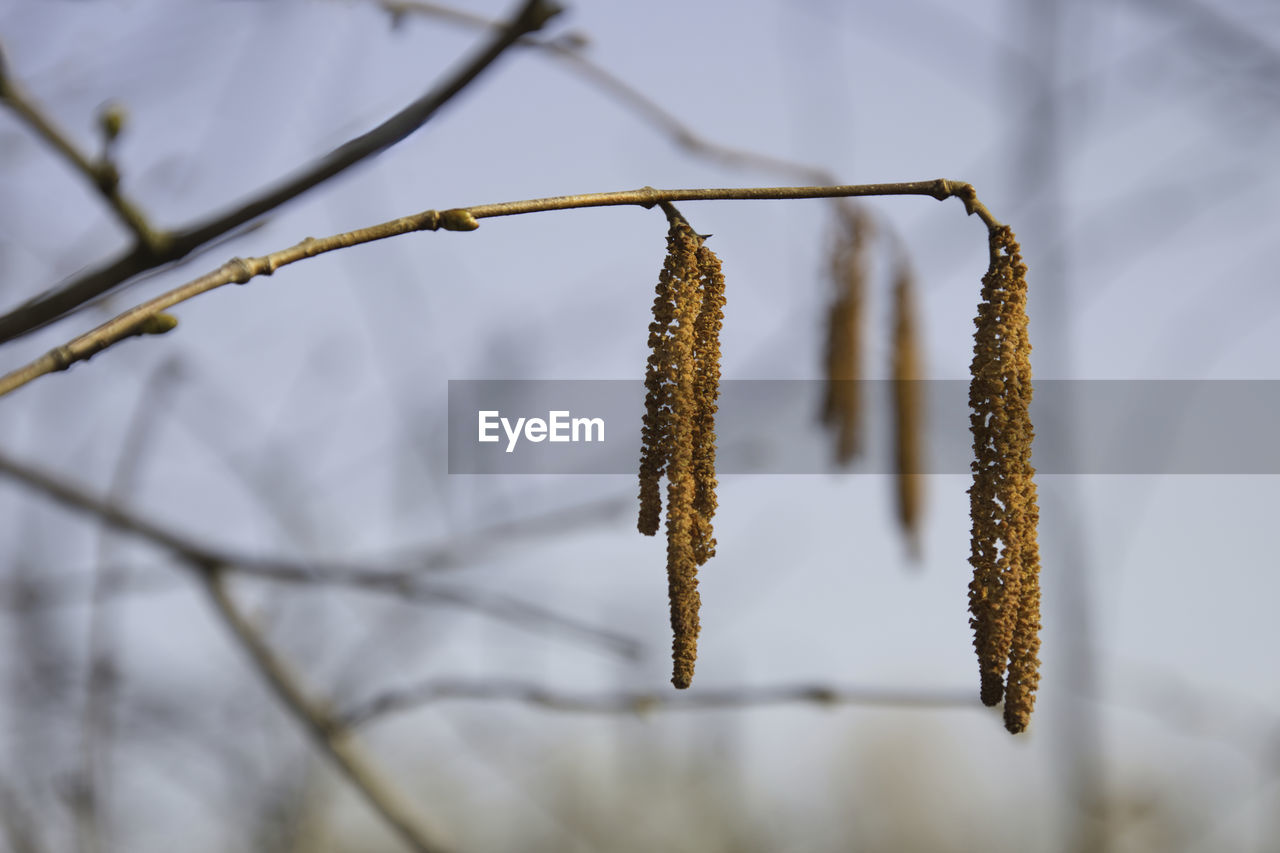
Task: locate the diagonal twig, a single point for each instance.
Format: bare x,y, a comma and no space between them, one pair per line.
331,736
101,173
568,50
60,301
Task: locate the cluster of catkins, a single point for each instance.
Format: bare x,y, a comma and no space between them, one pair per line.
842,407
682,385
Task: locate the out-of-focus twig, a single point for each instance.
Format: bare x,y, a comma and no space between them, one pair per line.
569,50
211,570
103,671
102,174
56,303
642,701
400,583
68,589
332,737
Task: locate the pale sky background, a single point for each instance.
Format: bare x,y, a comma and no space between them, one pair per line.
1145,204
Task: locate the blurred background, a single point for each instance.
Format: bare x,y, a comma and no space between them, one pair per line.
500,643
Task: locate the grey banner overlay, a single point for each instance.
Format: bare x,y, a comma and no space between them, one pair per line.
771,427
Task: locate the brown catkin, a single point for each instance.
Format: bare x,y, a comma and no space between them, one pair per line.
682,564
1004,594
842,404
682,384
908,408
706,392
681,260
1024,661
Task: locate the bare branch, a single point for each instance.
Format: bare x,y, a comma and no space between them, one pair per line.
137,320
405,584
102,175
568,49
333,738
60,301
644,701
102,674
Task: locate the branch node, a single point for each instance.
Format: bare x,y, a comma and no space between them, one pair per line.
966,194
427,220
652,198
106,176
240,269
62,357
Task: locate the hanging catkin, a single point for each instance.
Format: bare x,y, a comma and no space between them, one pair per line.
842,403
682,386
908,408
1004,597
706,392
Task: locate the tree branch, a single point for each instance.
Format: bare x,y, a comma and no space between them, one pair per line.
400,583
101,174
331,736
60,301
644,701
139,320
568,49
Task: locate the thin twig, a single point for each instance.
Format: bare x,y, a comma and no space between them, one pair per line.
24,595
56,303
332,737
101,174
568,49
102,674
240,270
643,701
404,584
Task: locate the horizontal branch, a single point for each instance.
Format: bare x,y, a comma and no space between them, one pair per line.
176,245
644,701
403,584
143,318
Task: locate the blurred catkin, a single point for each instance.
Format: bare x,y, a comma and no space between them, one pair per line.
908,408
1004,596
682,386
842,404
